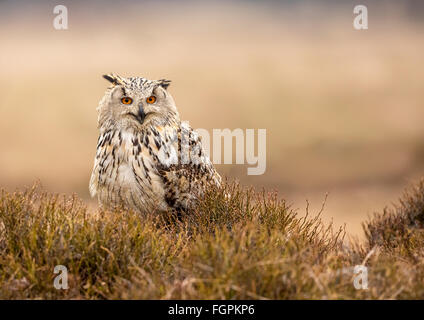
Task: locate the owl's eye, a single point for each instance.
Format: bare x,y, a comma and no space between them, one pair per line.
151,99
126,100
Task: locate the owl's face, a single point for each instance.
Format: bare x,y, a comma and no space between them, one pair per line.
136,102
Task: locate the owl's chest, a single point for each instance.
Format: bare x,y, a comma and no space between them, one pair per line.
128,172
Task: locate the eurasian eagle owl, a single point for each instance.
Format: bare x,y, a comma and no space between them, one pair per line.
147,159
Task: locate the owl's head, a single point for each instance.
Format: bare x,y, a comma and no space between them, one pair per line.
136,102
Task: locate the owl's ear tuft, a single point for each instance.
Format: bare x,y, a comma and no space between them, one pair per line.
113,78
164,83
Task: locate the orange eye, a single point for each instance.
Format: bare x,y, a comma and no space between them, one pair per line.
151,99
126,100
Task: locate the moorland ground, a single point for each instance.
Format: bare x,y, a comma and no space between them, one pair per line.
237,244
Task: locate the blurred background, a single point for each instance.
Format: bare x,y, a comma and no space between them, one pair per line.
343,108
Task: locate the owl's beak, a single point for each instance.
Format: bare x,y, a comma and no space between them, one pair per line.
141,114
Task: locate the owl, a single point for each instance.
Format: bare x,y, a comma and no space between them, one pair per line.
147,159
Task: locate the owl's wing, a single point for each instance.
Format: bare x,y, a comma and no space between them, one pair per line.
185,180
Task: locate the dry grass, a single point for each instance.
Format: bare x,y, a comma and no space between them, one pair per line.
400,228
250,245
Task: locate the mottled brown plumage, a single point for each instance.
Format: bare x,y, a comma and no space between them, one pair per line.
147,159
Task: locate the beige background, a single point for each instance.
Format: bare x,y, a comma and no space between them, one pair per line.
343,109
